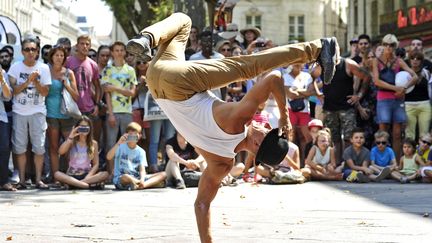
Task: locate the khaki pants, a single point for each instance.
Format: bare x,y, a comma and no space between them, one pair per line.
169,76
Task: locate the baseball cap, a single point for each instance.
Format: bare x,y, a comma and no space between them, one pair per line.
315,123
273,149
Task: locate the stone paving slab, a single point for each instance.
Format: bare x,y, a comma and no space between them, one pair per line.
311,212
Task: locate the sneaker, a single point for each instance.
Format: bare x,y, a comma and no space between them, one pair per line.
328,58
383,174
140,46
180,184
403,180
362,178
14,179
352,176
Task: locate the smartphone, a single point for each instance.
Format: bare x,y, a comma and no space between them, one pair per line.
132,138
83,129
260,44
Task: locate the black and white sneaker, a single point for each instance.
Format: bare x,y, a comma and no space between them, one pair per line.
328,58
383,174
362,178
140,47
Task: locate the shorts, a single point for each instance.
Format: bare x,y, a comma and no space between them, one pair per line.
422,170
299,118
34,125
391,111
64,125
340,123
79,177
90,115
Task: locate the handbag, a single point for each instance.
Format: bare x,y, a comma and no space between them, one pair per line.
152,110
68,106
297,104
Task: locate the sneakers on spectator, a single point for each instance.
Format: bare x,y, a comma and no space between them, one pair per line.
180,184
362,178
328,58
403,180
383,174
352,176
14,179
140,46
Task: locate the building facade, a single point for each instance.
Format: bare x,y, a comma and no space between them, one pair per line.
407,19
285,21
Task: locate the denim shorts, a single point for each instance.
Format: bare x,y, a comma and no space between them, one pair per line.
391,111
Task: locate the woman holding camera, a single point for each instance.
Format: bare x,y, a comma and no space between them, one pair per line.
83,158
58,123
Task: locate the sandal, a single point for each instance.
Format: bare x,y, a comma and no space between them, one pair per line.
97,186
42,186
8,187
21,186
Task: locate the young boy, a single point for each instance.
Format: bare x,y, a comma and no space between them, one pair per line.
357,159
130,162
383,159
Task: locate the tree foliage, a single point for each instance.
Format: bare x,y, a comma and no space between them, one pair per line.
135,15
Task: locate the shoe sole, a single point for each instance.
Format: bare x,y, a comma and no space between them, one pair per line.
362,178
383,174
335,58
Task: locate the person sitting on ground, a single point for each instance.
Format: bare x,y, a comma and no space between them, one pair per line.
83,158
357,158
321,161
423,148
383,160
426,171
130,162
181,155
314,126
219,130
409,163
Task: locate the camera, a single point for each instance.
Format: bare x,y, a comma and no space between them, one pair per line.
260,42
83,129
132,138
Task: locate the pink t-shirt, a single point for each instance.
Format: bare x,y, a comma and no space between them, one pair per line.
385,94
79,160
261,117
85,72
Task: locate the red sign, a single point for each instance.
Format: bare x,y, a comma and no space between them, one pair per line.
416,16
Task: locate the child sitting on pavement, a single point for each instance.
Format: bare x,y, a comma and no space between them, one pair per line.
409,164
314,126
423,148
383,160
83,158
356,158
426,171
130,162
321,161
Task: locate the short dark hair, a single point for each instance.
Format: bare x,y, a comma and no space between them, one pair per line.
357,130
9,49
3,50
410,141
117,43
101,47
206,33
64,40
417,54
29,40
364,36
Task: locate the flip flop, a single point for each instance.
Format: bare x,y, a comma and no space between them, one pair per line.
21,186
42,186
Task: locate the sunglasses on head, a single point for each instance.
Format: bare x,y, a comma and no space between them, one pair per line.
389,44
381,142
426,142
28,49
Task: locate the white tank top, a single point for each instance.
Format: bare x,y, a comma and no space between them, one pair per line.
322,159
193,118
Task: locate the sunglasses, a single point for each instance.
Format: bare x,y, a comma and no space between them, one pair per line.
28,49
381,142
225,49
426,142
389,44
140,62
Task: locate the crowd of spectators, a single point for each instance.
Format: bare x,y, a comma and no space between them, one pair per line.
372,122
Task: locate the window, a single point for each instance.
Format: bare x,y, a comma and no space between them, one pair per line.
296,28
389,6
403,4
254,20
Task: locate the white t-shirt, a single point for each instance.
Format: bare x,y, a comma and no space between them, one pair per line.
302,81
29,101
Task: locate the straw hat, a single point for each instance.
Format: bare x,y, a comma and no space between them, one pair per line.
251,28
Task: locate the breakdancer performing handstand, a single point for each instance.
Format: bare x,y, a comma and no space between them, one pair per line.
217,129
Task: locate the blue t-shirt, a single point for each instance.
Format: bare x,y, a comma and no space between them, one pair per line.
382,158
53,100
128,161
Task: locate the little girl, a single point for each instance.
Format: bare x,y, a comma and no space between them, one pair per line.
83,158
409,164
321,161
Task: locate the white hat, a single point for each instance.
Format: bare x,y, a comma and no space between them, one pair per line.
231,31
